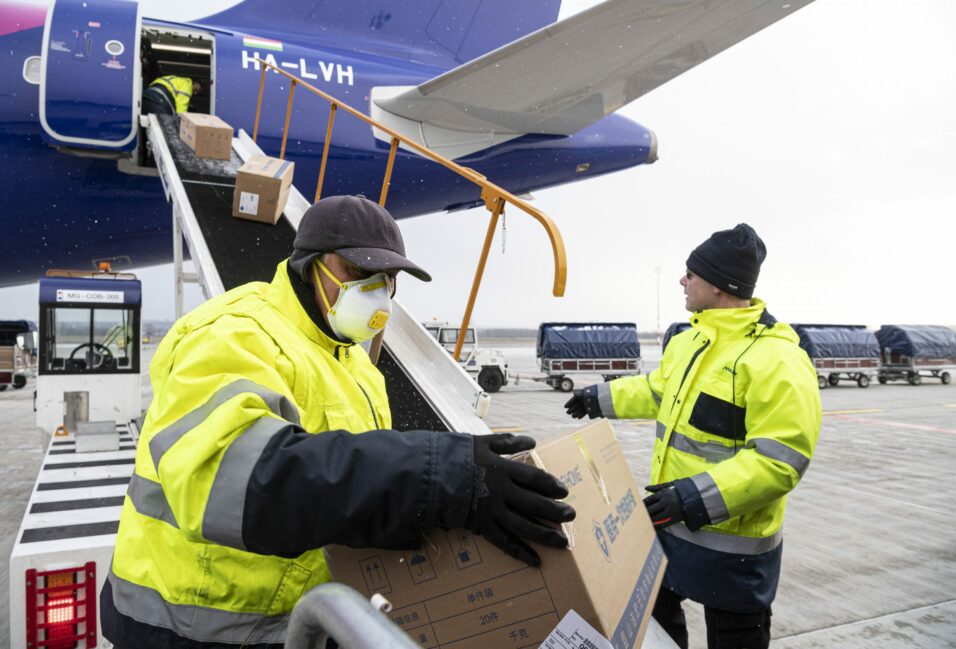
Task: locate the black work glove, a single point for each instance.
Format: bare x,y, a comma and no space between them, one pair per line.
514,501
584,402
664,505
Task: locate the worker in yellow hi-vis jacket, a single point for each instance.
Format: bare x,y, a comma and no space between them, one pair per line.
738,415
170,94
270,435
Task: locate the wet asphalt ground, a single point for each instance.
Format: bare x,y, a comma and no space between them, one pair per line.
870,551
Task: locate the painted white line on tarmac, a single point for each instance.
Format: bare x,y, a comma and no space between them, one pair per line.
928,607
881,496
896,424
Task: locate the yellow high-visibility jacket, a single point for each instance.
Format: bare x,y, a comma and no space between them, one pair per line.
738,414
234,494
181,89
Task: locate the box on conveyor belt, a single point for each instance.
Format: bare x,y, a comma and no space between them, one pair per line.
262,189
207,135
460,591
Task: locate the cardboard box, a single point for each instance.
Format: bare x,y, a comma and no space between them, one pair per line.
460,592
262,189
207,135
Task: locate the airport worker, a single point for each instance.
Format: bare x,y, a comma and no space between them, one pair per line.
738,415
169,95
269,436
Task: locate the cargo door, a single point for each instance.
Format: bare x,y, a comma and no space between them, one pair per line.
90,74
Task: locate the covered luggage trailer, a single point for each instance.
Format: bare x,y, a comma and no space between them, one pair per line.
565,349
840,352
912,352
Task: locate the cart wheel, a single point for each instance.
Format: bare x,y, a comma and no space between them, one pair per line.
3,387
834,380
915,379
863,381
567,384
490,379
822,381
882,378
19,381
945,378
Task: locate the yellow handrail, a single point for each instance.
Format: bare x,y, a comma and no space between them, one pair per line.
494,197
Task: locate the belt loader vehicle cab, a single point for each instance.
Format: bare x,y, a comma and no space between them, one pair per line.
89,346
489,365
89,340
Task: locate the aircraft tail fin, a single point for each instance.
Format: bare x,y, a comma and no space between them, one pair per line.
441,31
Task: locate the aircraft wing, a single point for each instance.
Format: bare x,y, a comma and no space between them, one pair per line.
563,77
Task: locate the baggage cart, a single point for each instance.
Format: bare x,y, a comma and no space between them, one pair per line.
840,352
914,352
566,349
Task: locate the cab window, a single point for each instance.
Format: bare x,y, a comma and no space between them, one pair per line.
82,340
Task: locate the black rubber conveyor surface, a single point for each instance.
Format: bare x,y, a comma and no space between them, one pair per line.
243,251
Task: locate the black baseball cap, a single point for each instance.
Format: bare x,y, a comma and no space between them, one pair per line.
358,230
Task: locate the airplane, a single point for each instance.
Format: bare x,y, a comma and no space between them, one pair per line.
496,85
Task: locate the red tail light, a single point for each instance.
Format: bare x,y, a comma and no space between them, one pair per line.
61,608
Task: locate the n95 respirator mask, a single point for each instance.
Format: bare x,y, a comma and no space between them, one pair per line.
362,308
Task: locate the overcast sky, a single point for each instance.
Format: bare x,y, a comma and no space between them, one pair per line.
832,132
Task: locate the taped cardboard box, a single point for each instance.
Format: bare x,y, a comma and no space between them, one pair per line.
207,135
262,189
460,592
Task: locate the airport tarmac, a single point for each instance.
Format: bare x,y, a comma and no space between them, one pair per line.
870,550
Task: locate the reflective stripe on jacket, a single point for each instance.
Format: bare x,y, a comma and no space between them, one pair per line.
233,494
738,415
180,88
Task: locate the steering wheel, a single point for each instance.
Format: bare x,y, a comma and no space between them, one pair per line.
100,354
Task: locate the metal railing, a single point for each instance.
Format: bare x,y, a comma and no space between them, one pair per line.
339,612
494,197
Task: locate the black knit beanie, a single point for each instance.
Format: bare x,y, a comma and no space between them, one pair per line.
730,260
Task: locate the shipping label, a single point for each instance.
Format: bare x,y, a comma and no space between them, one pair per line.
249,203
573,632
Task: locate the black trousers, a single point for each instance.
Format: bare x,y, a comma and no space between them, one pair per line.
157,101
725,629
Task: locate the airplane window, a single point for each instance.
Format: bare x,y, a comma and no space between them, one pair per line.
31,70
114,48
